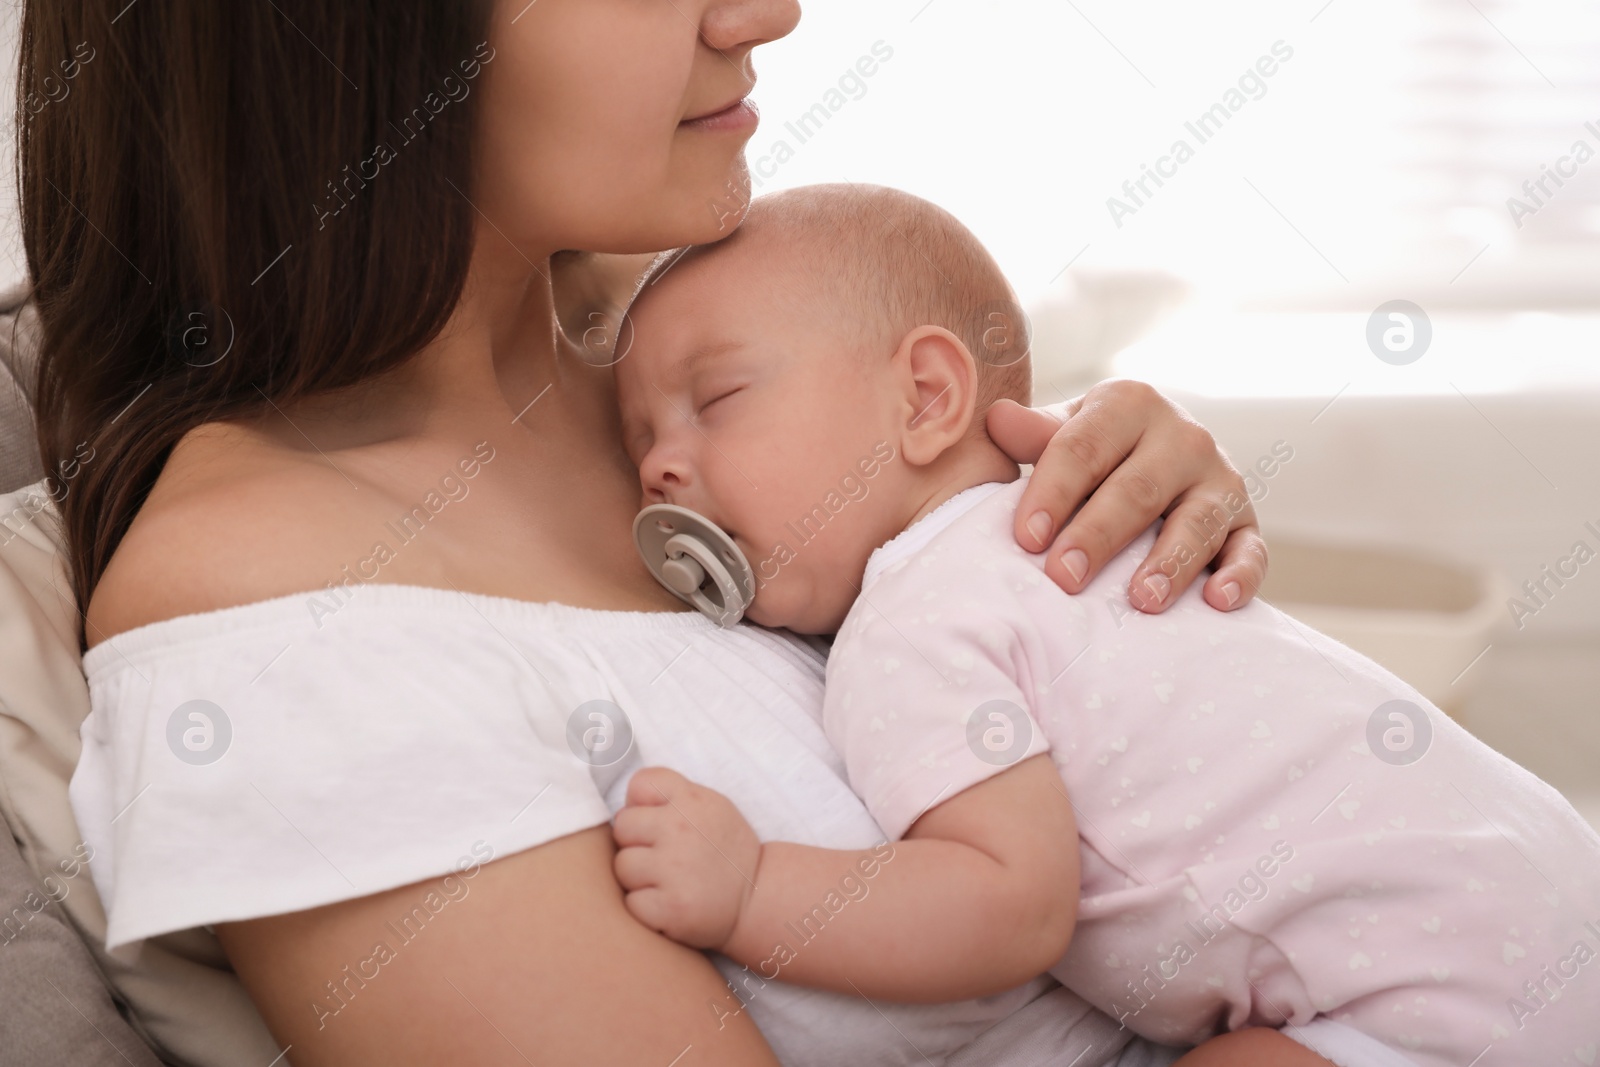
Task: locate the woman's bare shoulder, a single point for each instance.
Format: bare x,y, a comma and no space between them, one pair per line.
234,518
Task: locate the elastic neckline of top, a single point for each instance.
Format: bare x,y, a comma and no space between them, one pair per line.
916,537
262,614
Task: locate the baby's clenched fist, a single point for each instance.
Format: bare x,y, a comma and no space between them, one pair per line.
686,858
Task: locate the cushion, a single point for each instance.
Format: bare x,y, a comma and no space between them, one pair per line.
70,1016
19,454
180,991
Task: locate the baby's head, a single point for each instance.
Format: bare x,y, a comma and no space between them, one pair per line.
818,380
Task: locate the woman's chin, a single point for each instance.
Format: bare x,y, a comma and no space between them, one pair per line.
719,206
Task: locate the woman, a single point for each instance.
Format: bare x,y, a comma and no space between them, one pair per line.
293,282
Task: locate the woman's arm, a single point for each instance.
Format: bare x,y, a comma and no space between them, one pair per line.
538,963
1135,456
980,896
1256,1046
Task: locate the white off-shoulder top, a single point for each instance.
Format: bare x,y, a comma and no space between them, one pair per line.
319,747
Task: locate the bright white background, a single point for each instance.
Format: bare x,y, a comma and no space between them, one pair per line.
1375,166
1390,140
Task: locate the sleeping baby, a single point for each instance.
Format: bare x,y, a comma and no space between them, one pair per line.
1197,821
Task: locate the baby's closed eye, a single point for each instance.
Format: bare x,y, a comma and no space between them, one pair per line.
719,395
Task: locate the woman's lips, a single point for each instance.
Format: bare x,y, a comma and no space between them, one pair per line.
740,115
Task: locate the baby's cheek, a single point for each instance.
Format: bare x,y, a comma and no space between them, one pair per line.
768,606
755,613
779,599
801,600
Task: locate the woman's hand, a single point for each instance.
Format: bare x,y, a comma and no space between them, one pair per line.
1135,455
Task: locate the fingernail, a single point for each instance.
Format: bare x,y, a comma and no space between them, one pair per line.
1039,526
1230,593
1158,587
1077,563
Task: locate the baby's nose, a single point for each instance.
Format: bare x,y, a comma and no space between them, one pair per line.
662,475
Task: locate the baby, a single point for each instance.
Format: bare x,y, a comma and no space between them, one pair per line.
1264,827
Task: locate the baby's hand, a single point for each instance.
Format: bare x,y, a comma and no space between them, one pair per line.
686,858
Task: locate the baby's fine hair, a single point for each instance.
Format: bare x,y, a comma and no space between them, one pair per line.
894,262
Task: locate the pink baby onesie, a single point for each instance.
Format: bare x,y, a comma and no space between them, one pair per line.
1273,828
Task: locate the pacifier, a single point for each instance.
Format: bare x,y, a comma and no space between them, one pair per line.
690,555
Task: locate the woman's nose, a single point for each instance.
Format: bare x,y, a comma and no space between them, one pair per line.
731,25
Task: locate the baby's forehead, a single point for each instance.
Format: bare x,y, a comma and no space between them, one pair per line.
772,279
750,259
674,328
713,289
678,295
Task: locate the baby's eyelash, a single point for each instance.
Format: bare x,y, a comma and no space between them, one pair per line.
720,396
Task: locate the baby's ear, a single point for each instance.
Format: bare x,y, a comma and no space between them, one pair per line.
938,383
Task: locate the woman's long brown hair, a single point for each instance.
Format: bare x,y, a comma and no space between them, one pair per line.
211,224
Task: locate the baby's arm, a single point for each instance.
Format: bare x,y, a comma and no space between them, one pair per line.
979,897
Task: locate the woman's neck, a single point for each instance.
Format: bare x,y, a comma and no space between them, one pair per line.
498,353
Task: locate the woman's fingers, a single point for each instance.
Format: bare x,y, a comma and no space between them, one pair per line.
1123,456
1022,432
1241,568
1102,450
1196,530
